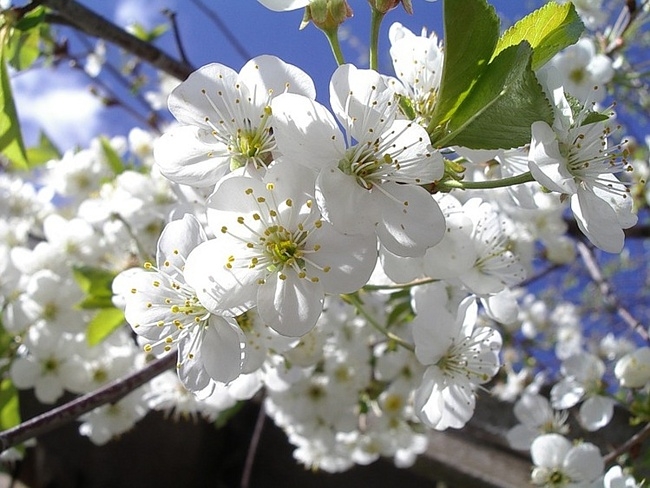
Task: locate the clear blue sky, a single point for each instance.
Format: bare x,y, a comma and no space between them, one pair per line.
257,30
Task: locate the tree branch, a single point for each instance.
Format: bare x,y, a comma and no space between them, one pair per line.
68,412
611,300
95,25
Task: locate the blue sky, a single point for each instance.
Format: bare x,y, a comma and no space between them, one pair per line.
59,100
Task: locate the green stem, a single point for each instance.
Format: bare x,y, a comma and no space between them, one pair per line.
333,38
486,185
404,286
356,302
376,19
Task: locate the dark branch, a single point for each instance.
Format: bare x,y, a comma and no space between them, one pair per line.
68,412
610,299
95,25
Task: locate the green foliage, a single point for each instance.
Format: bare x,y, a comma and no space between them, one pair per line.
548,30
114,160
19,47
489,95
103,324
227,414
502,105
9,405
11,140
43,152
139,31
471,34
96,283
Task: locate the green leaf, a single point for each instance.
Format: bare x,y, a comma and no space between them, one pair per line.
226,415
44,152
31,19
139,31
11,140
96,283
9,405
103,324
498,112
548,30
471,33
23,48
114,160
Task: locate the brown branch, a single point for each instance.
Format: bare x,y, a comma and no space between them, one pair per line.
609,297
635,440
95,25
63,414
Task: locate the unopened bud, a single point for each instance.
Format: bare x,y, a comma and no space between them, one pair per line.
327,15
633,370
384,6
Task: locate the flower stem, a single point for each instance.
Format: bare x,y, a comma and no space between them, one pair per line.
403,286
486,185
353,299
333,38
68,412
376,19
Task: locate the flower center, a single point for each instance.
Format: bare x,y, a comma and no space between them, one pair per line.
365,166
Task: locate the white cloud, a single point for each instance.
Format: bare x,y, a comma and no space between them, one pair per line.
59,104
145,12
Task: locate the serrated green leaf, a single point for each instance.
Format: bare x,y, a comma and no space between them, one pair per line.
9,405
114,160
11,139
502,105
471,33
103,324
548,30
44,152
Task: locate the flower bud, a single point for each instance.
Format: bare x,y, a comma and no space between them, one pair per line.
633,370
326,14
384,6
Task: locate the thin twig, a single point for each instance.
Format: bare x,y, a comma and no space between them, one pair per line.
63,414
252,447
636,439
171,15
95,25
221,25
609,297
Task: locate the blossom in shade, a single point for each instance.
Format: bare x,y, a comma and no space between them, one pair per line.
560,463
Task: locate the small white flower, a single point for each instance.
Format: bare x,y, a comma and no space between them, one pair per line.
633,369
459,356
572,158
536,417
379,176
226,119
559,463
162,308
274,250
583,380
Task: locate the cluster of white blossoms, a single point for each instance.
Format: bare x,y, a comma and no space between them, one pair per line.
273,243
